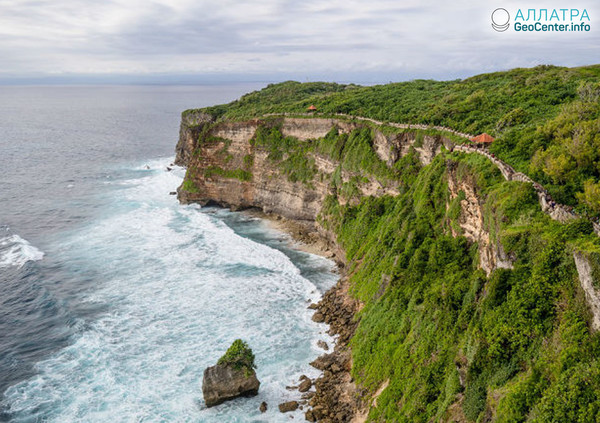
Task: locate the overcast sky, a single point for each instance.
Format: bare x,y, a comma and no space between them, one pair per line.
256,40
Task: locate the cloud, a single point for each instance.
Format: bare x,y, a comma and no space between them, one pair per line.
338,37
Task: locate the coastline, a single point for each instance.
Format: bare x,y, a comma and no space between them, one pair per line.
303,238
336,398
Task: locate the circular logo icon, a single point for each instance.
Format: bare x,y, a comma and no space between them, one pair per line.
500,19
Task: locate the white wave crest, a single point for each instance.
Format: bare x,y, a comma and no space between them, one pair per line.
179,286
15,251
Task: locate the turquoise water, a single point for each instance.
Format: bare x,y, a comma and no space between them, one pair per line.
120,297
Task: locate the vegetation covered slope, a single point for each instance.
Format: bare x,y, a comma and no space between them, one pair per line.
450,342
546,120
453,344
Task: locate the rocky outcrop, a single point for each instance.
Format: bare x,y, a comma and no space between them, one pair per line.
286,407
226,145
190,129
305,384
491,254
337,398
225,382
591,290
305,129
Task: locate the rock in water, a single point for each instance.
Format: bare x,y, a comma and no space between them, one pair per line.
322,344
305,385
263,407
288,406
224,382
233,376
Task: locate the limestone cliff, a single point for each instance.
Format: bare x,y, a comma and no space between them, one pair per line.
214,152
228,167
226,144
190,129
588,279
471,221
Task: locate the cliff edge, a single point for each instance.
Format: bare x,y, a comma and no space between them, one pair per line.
459,270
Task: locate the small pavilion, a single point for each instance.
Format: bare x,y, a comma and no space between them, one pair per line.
483,139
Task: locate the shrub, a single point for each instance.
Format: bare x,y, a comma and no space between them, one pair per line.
239,355
190,186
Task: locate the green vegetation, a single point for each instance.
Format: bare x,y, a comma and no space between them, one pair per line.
288,152
188,184
275,97
520,338
358,155
240,174
248,161
545,119
239,355
354,151
453,342
568,161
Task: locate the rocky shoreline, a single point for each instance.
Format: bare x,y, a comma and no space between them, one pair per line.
336,397
305,239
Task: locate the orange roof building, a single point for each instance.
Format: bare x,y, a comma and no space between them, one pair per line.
311,108
483,139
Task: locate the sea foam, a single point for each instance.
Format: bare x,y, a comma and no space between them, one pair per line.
180,285
15,251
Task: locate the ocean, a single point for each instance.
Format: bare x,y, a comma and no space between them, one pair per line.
113,296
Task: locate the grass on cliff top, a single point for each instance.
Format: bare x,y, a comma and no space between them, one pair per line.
546,119
519,339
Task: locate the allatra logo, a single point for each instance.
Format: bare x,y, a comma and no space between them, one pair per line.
500,19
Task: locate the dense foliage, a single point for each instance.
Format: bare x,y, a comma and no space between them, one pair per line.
518,340
290,154
568,159
452,343
239,355
545,119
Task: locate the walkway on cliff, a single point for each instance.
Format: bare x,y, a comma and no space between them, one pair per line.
556,211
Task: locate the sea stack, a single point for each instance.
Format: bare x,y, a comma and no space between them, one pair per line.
233,376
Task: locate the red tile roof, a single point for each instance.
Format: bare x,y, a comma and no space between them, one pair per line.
483,139
312,107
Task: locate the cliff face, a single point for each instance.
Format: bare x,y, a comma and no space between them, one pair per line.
189,131
268,191
229,143
471,221
228,165
213,152
592,292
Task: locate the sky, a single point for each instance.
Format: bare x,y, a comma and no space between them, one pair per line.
188,41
